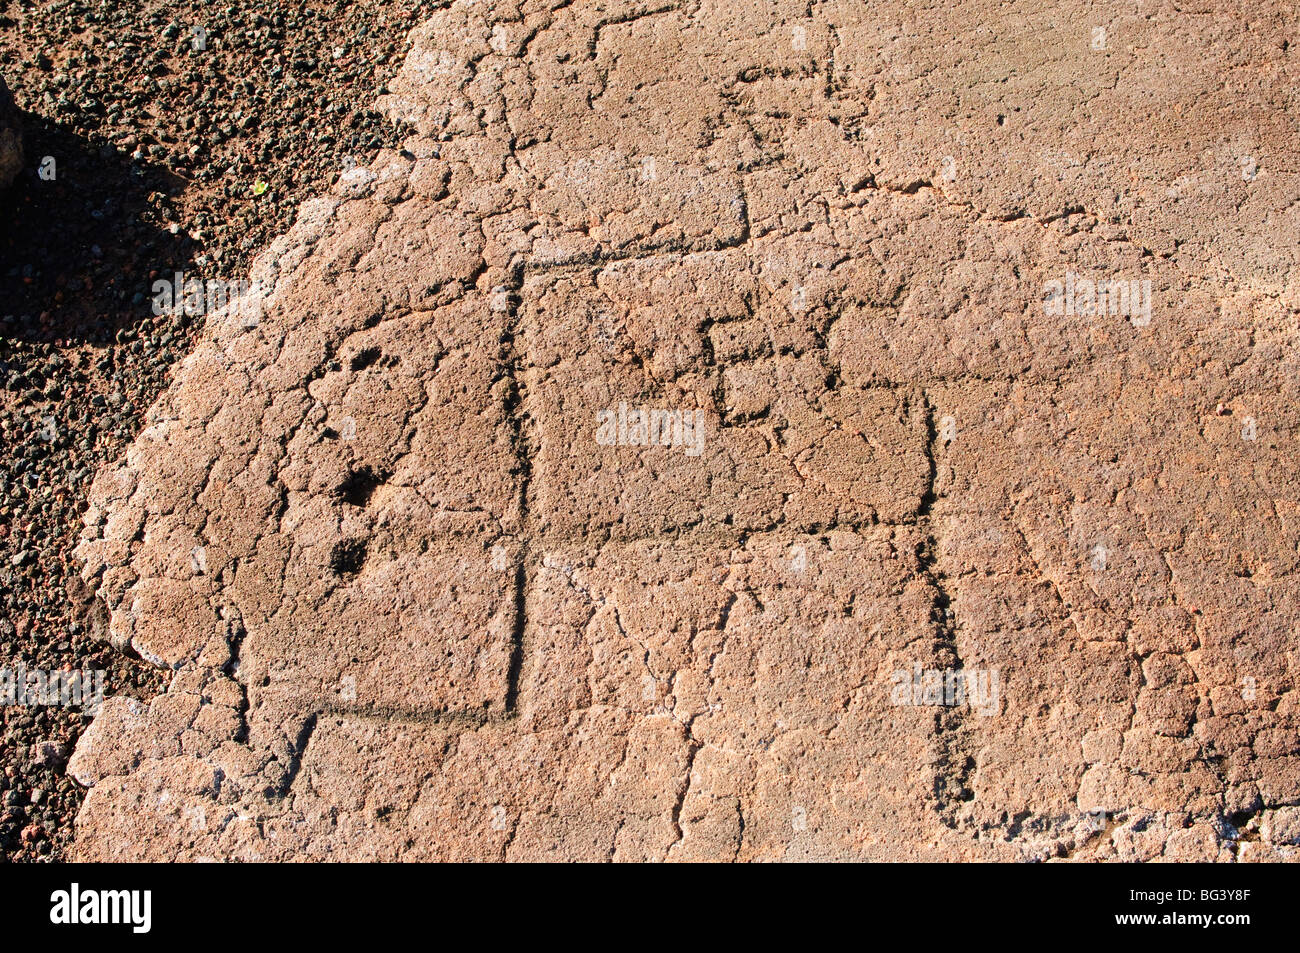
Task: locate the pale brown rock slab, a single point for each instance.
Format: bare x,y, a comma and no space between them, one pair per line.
417,608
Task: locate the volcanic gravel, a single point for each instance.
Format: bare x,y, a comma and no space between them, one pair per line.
172,149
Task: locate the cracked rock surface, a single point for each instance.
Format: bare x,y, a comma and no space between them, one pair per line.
429,587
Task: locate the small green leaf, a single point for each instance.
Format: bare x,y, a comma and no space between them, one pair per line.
260,187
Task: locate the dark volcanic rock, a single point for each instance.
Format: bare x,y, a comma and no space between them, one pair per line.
11,137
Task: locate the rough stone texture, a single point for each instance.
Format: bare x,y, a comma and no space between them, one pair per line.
11,137
415,608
